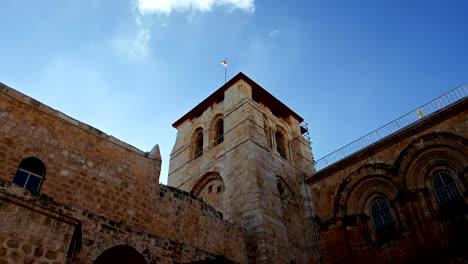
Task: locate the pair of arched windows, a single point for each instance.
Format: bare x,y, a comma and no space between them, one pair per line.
218,137
446,190
30,174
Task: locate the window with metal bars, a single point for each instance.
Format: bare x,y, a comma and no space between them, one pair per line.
446,188
383,221
452,205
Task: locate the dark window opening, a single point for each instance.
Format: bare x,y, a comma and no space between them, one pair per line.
446,188
220,98
198,143
280,144
218,190
219,132
30,174
210,188
452,205
383,221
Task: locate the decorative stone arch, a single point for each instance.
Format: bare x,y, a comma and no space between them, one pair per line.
285,191
197,142
355,206
121,240
429,155
217,129
281,142
366,190
379,172
120,254
210,187
437,151
290,213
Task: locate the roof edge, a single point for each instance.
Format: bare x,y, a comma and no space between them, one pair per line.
200,108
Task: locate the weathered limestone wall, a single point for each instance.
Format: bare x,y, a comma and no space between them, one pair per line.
84,166
109,187
32,236
399,168
250,169
186,218
41,230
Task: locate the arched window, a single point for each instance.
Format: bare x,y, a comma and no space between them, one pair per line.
383,220
198,141
446,188
280,144
219,132
30,174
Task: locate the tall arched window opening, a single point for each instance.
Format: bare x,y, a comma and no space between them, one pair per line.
219,132
446,188
280,144
198,141
30,174
383,220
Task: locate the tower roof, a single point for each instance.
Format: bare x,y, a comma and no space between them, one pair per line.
258,94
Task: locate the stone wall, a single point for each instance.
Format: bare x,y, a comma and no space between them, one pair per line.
41,230
84,166
260,189
399,169
32,234
107,189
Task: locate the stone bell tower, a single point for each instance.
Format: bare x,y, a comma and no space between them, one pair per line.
243,152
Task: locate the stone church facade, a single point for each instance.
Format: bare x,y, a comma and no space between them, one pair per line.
243,188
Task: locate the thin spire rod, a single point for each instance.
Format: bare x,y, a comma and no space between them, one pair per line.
225,64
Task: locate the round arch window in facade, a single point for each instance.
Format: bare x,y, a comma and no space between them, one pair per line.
383,220
446,188
30,174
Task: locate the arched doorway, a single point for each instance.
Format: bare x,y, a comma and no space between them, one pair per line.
121,254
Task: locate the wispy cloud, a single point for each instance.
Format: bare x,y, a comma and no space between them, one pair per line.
134,46
274,33
168,6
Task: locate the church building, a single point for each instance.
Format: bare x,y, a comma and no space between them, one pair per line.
243,187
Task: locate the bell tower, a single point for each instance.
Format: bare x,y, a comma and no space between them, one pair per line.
243,151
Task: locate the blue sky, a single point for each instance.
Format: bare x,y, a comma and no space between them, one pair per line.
132,67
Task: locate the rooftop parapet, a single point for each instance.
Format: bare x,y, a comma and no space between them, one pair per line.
458,94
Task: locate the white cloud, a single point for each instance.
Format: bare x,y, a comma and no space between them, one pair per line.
167,6
274,33
135,45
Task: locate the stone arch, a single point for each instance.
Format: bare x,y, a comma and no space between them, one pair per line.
290,213
356,206
378,174
217,129
120,254
429,153
285,191
365,190
210,187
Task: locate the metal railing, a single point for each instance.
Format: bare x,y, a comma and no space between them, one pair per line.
412,117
